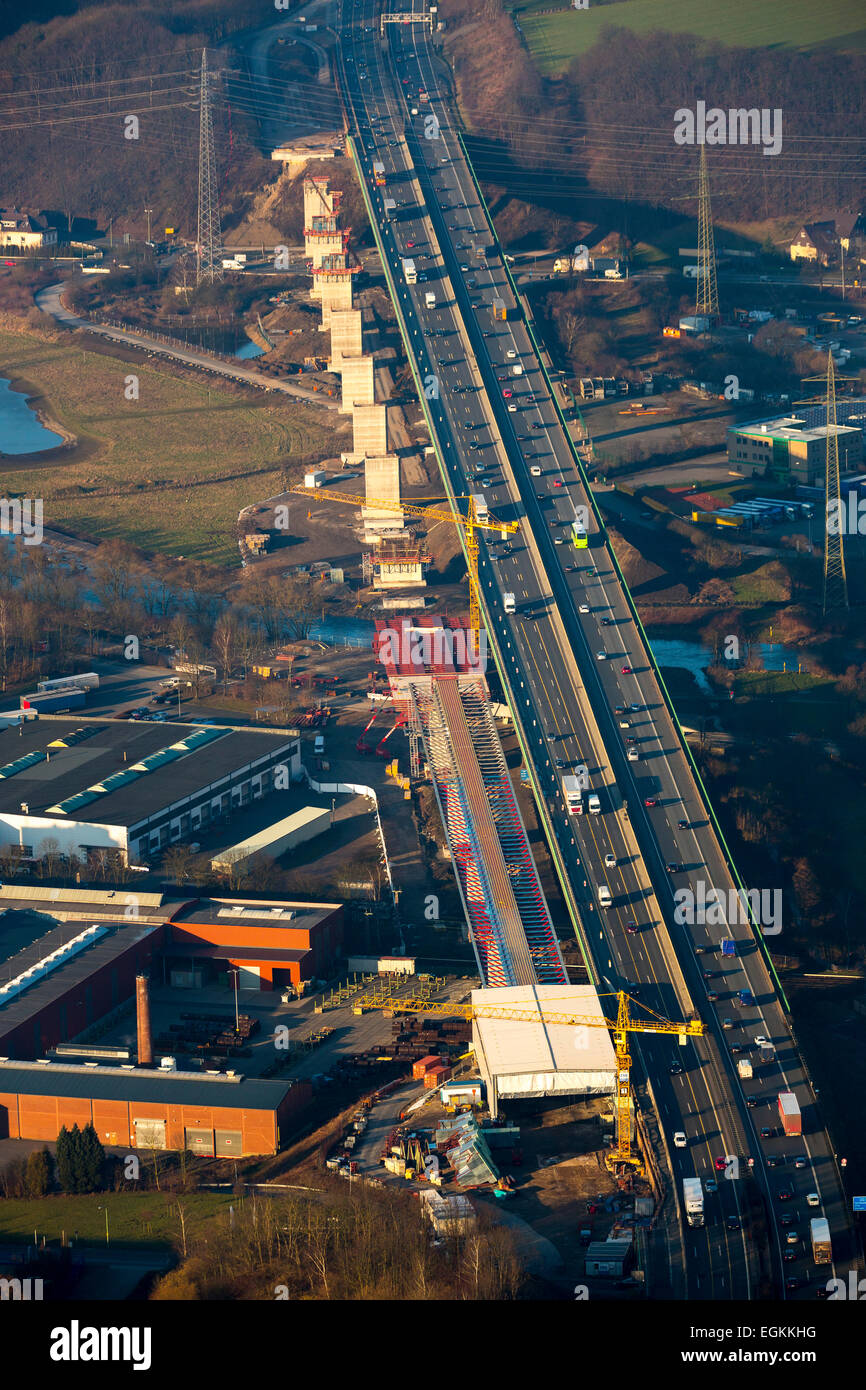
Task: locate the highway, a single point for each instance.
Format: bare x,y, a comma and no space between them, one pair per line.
582,683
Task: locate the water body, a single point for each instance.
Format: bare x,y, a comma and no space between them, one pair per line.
20,429
249,349
695,657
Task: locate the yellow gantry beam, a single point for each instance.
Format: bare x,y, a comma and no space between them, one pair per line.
469,523
624,1024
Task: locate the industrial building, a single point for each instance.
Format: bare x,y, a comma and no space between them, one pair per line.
790,450
272,945
227,1115
82,788
277,839
524,1057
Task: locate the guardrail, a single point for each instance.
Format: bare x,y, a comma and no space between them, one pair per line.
708,807
541,803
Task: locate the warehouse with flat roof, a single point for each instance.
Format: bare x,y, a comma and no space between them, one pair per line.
88,788
535,1053
223,1114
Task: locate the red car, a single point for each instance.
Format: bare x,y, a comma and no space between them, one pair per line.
409,245
721,1165
506,394
627,671
557,482
650,801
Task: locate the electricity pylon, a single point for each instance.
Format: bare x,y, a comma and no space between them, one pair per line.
835,579
209,245
708,291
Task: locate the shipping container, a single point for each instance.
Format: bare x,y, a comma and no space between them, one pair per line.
425,1064
437,1077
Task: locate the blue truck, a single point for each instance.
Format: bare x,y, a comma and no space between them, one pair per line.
729,946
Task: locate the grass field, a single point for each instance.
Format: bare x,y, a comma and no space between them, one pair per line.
134,1218
168,472
554,39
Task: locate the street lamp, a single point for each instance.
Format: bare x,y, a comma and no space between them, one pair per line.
105,1209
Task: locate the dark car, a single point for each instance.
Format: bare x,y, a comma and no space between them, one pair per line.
792,1282
733,1223
684,825
712,997
632,928
766,1132
774,1160
607,622
751,1101
801,1161
674,868
620,709
675,1068
785,1194
789,1255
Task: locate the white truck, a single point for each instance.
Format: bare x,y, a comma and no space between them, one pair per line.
604,897
508,602
573,793
594,804
744,1068
315,479
693,1201
430,299
410,273
822,1247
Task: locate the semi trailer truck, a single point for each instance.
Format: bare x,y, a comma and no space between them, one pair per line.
693,1201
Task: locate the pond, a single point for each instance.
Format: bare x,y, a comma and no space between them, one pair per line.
20,429
249,349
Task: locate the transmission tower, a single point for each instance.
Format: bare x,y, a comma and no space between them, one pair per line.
209,247
835,580
708,292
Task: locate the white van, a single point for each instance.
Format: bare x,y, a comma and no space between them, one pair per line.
604,897
319,743
535,471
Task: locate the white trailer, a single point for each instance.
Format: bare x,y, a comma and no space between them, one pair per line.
87,680
693,1201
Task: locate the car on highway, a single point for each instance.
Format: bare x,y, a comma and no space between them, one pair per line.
710,1185
620,709
625,724
774,1160
790,1255
610,861
727,1023
680,1140
507,393
785,1193
801,1161
675,1068
632,928
601,656
751,1101
650,801
583,608
633,755
464,268
812,1199
792,1283
512,407
557,482
674,868
511,353
607,622
732,1223
683,825
712,996
788,1218
627,671
721,1164
792,1237
635,709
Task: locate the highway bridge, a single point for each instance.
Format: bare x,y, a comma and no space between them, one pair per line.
584,689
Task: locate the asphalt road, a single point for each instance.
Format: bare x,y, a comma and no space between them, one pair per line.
566,694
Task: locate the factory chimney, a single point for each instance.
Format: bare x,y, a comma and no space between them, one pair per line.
142,1018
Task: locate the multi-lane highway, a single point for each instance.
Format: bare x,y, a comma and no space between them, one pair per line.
584,687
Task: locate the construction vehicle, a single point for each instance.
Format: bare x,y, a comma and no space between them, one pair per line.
381,747
624,1024
476,518
362,746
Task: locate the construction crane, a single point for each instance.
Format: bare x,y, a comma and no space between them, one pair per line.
469,524
620,1028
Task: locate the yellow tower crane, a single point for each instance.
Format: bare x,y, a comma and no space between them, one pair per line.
469,524
620,1028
